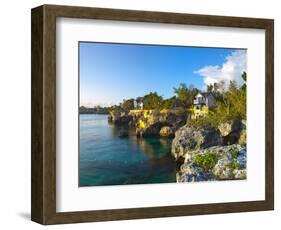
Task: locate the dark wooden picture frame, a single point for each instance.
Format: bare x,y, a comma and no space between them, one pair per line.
43,188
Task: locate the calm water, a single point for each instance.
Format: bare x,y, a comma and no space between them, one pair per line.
106,159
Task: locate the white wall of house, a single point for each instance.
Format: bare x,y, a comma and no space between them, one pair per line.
208,100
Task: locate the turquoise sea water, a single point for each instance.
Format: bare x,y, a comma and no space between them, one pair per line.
106,159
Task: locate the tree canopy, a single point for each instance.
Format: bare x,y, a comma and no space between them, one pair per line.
128,105
168,103
152,101
186,94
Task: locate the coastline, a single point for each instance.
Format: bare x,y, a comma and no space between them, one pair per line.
200,154
107,159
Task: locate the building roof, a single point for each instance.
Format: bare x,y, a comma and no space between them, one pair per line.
139,99
206,94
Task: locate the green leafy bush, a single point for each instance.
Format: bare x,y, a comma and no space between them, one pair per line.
207,161
206,122
234,153
233,165
199,159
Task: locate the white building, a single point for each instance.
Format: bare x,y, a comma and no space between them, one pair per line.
204,99
138,103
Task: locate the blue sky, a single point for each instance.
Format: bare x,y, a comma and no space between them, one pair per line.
110,72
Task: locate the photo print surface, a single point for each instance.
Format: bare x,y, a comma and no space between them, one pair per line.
161,114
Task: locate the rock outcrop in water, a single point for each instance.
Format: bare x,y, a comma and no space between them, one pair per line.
119,118
203,154
166,131
163,123
150,123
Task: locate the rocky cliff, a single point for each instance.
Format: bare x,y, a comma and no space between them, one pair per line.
150,123
119,118
203,154
211,153
214,163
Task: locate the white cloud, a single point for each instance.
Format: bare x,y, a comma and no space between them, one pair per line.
230,70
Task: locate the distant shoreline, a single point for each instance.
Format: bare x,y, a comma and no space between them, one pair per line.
97,113
94,110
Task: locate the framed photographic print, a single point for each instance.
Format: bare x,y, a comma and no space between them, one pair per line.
140,114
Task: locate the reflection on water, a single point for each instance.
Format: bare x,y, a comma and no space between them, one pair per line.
106,159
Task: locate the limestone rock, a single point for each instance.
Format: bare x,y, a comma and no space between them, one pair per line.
240,174
166,131
188,139
229,127
242,158
222,170
230,164
149,131
192,173
150,124
243,137
119,118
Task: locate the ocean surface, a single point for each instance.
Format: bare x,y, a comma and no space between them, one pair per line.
106,159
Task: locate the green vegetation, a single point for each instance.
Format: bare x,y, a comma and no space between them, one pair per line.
94,110
234,165
128,105
168,103
234,153
230,104
183,99
233,103
229,100
206,161
152,101
186,94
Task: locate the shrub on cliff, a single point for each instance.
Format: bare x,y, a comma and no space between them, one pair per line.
206,161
